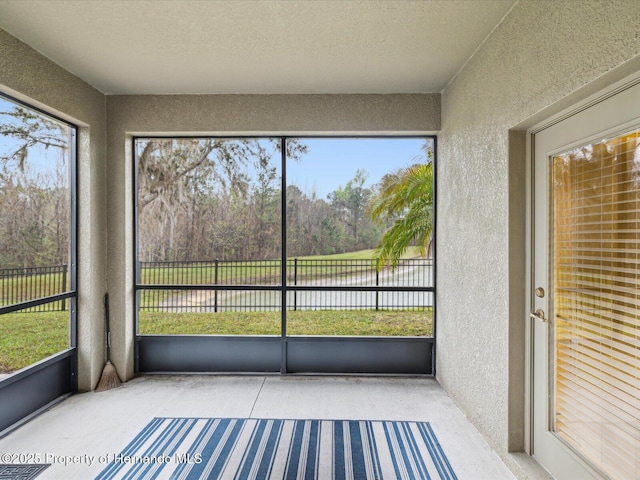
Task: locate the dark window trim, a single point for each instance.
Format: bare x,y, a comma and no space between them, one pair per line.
72,293
138,287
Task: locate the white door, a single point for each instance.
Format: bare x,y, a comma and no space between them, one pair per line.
586,282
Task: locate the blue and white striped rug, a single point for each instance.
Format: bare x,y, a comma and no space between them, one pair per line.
228,448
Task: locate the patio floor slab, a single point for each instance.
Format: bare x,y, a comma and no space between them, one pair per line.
94,425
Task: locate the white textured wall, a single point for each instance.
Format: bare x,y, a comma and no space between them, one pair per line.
27,75
543,52
226,115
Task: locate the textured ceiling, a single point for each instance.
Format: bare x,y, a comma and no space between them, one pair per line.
252,46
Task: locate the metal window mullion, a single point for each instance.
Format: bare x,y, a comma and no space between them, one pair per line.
283,256
73,271
434,256
136,252
16,307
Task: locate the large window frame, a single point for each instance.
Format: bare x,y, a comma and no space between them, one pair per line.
26,392
259,351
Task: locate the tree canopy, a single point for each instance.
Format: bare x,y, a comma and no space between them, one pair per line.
34,195
205,198
201,199
405,198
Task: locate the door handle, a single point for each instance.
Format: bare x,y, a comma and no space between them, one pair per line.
538,315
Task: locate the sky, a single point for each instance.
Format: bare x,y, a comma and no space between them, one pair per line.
39,160
331,163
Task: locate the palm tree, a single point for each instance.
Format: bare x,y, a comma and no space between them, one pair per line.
406,198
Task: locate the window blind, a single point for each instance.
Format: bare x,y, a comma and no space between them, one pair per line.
596,293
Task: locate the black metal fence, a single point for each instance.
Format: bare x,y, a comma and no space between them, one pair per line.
24,284
215,272
217,286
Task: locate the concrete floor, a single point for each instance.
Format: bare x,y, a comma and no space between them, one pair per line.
98,424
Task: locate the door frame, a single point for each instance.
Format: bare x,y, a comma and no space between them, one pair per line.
553,119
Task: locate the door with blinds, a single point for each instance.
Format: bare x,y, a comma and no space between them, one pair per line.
586,281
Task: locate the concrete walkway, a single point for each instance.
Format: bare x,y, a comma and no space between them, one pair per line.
92,425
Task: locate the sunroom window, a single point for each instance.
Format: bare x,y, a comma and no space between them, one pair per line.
284,237
37,236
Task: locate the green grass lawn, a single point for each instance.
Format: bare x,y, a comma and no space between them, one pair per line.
19,289
358,255
264,272
310,322
26,338
411,252
25,288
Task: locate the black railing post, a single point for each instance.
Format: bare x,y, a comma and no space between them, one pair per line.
215,281
20,287
295,282
37,285
377,285
64,285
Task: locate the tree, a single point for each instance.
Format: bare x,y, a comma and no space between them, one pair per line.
405,199
266,209
34,194
351,201
27,129
206,198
